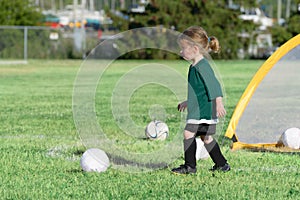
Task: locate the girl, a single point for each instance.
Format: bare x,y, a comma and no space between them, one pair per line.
204,104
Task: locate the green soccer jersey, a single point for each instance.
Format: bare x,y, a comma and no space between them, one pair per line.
203,89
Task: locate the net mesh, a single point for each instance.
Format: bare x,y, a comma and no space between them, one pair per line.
274,106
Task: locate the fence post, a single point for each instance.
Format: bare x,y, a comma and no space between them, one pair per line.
25,42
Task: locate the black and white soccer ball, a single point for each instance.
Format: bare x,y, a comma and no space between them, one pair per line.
157,130
291,138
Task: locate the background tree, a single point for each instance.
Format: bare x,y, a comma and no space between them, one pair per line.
281,34
213,16
19,12
294,21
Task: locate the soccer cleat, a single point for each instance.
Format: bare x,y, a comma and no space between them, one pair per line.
224,168
214,168
184,169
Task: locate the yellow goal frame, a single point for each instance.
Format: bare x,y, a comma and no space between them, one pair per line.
245,98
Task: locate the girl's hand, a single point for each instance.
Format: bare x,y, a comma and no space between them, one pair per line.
221,112
182,106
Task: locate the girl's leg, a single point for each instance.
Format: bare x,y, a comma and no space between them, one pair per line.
215,153
190,146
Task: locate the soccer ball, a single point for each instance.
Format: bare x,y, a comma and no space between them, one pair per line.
201,152
157,130
291,138
94,160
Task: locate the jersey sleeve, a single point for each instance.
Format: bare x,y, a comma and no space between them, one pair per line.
212,84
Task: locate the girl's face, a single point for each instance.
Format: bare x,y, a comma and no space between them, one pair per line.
188,51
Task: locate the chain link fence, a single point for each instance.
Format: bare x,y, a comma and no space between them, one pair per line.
25,42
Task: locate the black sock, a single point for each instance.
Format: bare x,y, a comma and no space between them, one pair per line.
215,153
190,152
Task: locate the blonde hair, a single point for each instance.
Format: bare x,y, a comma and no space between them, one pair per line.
196,35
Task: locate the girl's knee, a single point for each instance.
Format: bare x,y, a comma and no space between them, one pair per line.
188,134
207,139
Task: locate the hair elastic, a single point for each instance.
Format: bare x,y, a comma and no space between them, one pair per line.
208,39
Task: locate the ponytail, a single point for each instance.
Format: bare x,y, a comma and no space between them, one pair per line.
214,44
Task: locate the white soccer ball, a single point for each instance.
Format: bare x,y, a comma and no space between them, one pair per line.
291,138
94,160
157,130
201,152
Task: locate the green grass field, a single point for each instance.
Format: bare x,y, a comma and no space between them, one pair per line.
40,148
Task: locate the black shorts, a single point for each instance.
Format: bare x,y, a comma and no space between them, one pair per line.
201,129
